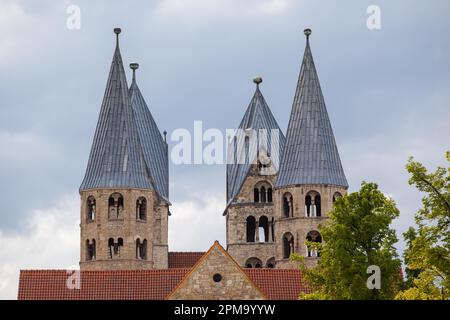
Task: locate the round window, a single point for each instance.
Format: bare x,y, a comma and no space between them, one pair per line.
217,277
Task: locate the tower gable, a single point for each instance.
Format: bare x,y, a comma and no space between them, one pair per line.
216,276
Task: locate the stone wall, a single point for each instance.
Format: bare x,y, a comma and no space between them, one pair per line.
216,277
299,225
127,227
237,214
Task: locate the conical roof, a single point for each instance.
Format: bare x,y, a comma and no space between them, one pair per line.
310,155
257,117
153,145
116,159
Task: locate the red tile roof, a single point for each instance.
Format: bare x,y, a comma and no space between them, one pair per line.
279,284
143,284
98,285
184,259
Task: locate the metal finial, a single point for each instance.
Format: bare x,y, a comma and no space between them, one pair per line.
134,66
307,33
257,80
117,31
165,135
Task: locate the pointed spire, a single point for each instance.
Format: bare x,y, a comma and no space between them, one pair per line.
154,146
310,155
116,159
257,116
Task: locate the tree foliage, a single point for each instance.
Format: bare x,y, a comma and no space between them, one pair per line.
357,235
428,253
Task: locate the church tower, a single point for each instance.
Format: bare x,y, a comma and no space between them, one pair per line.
311,174
251,174
124,194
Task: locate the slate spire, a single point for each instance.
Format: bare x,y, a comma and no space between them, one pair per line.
154,146
116,159
310,155
257,116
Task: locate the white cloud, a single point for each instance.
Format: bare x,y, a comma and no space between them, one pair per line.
194,227
49,241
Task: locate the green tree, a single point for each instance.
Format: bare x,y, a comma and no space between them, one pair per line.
356,236
428,253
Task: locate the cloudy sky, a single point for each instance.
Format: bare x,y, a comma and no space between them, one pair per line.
387,94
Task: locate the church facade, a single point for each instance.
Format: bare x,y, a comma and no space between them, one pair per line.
276,199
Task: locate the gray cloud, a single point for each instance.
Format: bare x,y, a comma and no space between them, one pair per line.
386,90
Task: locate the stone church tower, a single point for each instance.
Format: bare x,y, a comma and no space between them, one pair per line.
311,174
273,214
250,213
124,194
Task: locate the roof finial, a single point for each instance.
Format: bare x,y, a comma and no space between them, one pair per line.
117,31
134,66
165,136
257,80
307,33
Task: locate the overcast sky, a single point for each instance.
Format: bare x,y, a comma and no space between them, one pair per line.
387,94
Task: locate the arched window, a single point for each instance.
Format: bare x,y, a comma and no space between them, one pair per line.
141,249
336,195
272,229
256,194
115,247
141,209
253,263
263,194
90,206
269,195
287,205
313,204
313,236
251,229
308,207
263,227
317,203
288,245
115,206
271,263
90,250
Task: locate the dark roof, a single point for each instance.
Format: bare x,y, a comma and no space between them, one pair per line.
184,259
154,147
258,116
128,150
310,154
143,284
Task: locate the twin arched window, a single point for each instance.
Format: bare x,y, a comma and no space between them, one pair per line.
288,245
313,204
141,209
336,195
115,206
90,208
253,263
263,229
262,193
115,247
141,249
313,236
90,250
288,205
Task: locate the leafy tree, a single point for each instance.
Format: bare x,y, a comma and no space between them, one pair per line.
356,236
428,253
